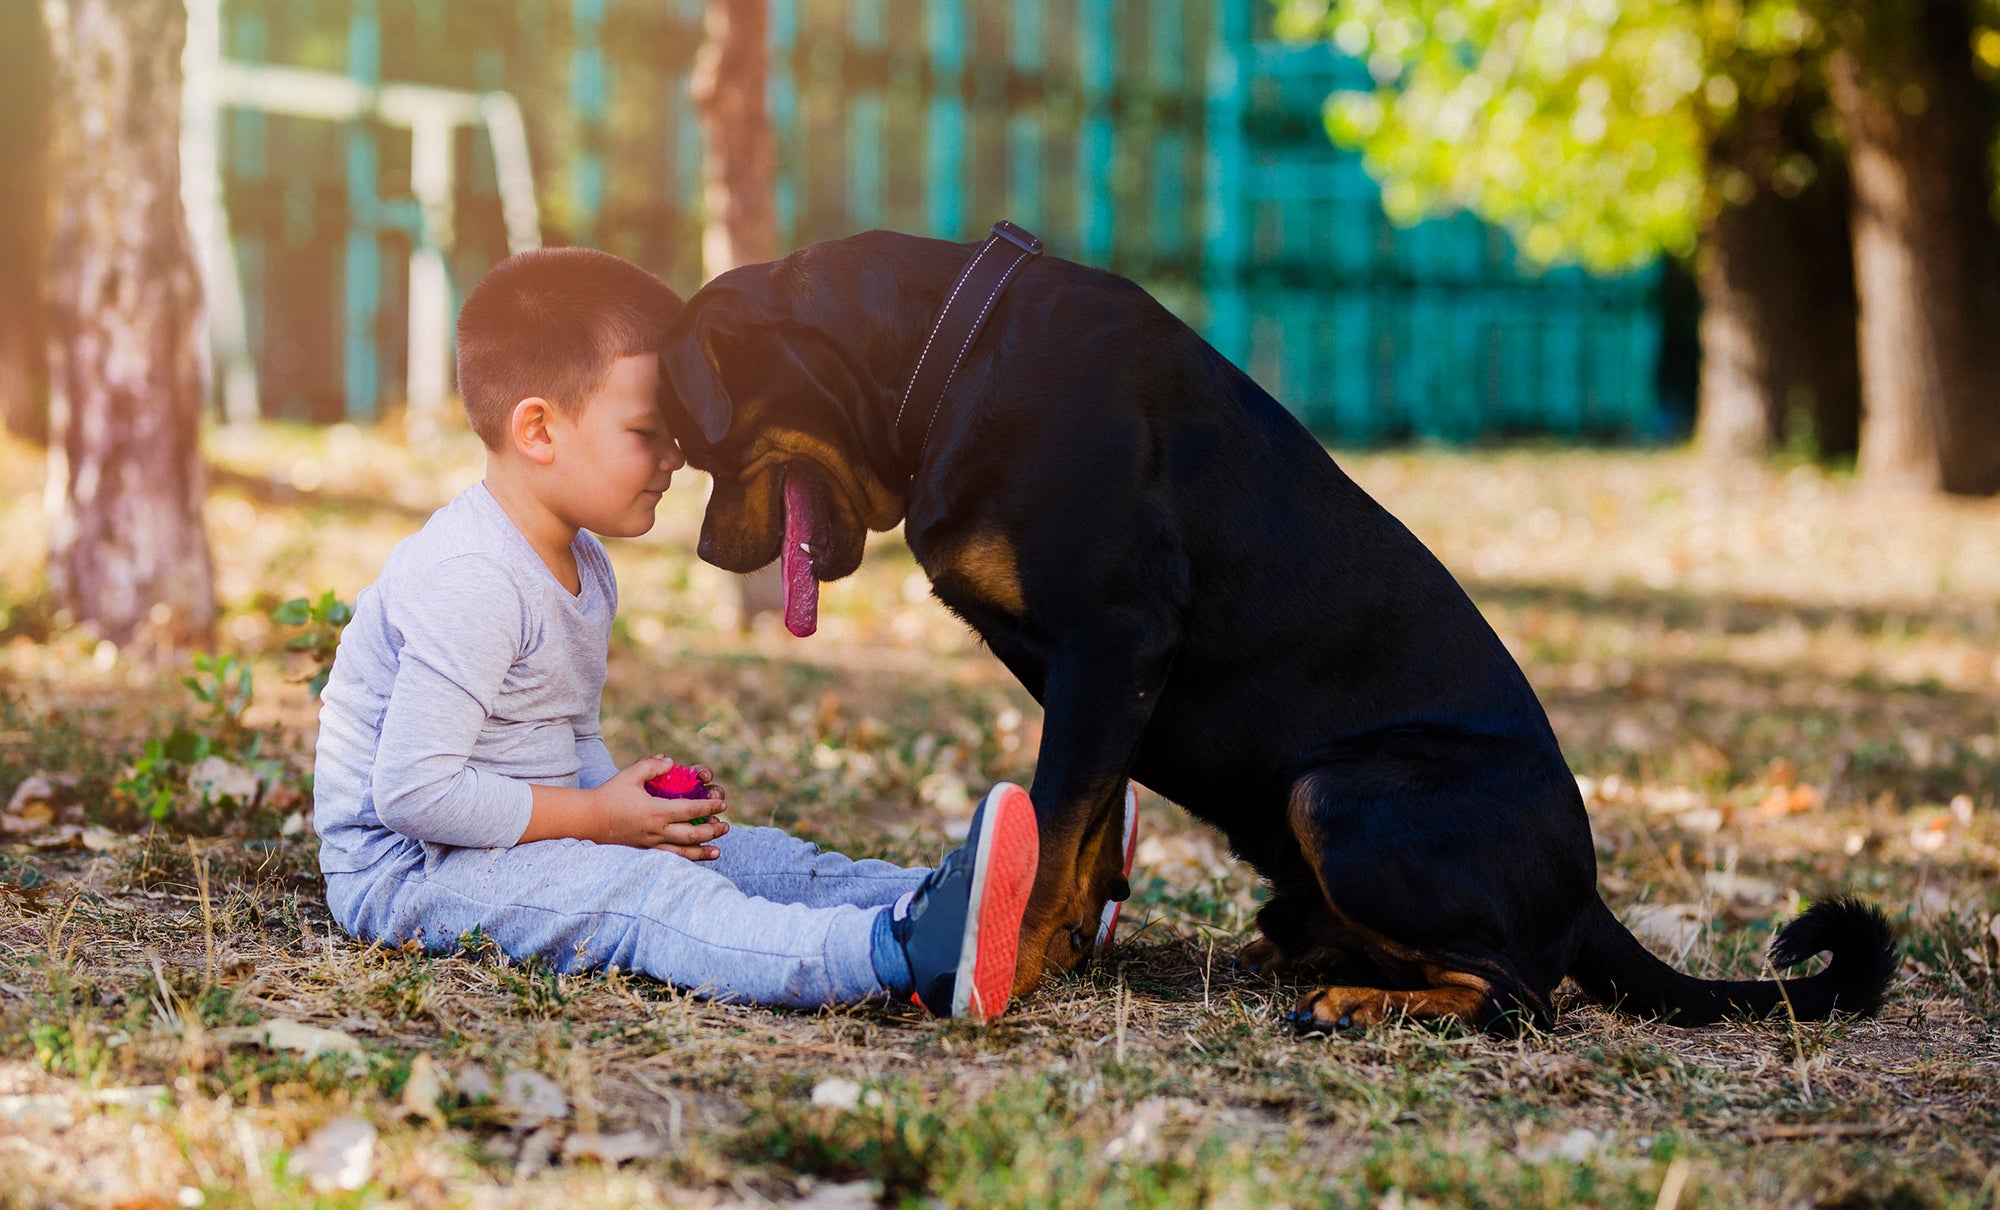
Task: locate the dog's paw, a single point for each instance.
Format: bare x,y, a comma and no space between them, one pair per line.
1260,956
1333,1009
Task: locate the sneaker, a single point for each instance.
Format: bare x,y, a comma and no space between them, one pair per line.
962,931
1108,923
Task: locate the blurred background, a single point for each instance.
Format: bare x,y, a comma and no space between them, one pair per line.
1696,244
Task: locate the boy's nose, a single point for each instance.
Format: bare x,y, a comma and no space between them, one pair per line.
672,460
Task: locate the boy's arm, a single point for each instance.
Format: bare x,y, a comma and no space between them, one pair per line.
621,812
458,643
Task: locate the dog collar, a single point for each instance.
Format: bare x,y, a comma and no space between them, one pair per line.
957,325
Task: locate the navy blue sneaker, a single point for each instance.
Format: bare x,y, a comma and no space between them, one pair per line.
962,932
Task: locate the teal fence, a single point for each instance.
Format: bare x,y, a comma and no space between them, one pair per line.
1369,331
1167,140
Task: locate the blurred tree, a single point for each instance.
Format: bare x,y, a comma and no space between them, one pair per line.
23,208
1920,127
128,553
1606,131
739,166
1779,357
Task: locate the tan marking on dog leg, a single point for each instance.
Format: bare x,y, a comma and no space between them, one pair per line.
1460,998
987,564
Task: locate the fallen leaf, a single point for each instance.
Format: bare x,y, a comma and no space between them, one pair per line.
32,807
1139,1142
945,793
283,1033
40,789
1672,800
610,1149
44,1110
530,1098
853,1195
103,840
1575,1147
133,1096
1672,926
67,836
338,1156
840,1093
1928,832
536,1151
423,1090
215,779
1704,820
1794,800
474,1083
1728,884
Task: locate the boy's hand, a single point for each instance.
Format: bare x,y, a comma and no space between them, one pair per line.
633,817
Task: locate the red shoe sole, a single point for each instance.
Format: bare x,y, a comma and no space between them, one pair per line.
1003,879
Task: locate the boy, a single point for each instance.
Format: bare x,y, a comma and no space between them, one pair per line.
461,781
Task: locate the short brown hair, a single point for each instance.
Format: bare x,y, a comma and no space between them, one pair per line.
549,323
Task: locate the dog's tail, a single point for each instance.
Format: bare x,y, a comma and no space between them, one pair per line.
1614,969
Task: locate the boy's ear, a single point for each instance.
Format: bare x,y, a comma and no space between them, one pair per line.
528,429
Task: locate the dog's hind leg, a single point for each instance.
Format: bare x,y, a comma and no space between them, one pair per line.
1298,936
1421,871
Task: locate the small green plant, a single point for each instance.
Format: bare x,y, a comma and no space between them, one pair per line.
323,618
223,684
161,773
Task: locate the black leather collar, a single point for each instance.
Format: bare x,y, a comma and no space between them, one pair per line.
957,326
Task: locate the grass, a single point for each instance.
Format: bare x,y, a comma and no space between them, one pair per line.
1713,655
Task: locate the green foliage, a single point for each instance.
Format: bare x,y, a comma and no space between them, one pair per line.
223,684
1583,128
160,775
323,618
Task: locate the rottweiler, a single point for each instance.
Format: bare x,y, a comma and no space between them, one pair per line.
1201,600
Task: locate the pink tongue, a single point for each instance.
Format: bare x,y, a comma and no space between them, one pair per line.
801,590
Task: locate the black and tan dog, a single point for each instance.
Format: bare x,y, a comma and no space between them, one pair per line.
1201,600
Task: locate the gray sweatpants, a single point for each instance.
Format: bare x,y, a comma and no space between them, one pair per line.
773,920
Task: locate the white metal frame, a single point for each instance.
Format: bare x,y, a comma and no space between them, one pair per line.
429,113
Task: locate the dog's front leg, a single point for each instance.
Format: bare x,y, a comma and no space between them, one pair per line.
1102,686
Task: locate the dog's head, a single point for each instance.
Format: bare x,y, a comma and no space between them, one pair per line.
759,384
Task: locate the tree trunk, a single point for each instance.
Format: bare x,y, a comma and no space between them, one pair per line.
1926,248
23,136
738,150
128,554
1778,348
739,183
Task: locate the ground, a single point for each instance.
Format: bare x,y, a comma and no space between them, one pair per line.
1772,687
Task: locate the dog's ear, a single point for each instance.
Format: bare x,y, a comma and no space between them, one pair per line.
716,319
691,375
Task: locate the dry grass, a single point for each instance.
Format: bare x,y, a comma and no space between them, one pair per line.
1709,653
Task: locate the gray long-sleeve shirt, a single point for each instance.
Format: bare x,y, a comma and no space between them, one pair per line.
467,673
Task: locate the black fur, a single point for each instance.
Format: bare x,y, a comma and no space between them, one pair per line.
1208,604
